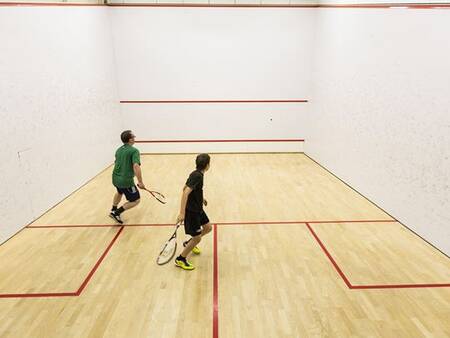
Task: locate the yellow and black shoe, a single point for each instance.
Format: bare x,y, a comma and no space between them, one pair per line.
196,250
183,263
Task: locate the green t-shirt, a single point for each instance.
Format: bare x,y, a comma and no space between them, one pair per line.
123,173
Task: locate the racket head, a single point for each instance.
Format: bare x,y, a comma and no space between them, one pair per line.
167,252
157,195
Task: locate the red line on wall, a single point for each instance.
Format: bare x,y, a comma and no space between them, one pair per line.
217,101
388,5
220,141
337,6
175,5
215,288
212,5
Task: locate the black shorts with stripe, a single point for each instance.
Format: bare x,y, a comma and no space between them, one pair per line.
132,193
193,222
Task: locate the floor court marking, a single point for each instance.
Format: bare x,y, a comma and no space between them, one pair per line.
215,259
373,286
217,223
68,294
215,286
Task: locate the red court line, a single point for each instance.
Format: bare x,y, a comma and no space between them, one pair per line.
215,288
375,286
205,5
305,222
193,5
336,6
399,286
68,294
221,141
100,260
388,5
99,225
72,226
338,269
38,295
215,101
49,4
45,226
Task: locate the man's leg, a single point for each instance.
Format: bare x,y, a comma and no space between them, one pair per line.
133,197
127,206
206,230
116,200
190,245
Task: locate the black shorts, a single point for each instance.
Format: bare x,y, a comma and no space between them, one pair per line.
132,194
193,222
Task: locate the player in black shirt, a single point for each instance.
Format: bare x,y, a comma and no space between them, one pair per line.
196,222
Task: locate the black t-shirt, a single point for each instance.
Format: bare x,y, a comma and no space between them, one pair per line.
195,198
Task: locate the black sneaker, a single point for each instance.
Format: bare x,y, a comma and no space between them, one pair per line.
116,217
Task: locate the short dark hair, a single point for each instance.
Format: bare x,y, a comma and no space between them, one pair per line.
126,136
202,161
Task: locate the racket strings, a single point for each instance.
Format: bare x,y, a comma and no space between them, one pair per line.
169,249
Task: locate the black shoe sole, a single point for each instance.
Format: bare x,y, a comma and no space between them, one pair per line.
120,222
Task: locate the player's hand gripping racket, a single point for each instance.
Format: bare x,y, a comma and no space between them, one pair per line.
157,195
169,248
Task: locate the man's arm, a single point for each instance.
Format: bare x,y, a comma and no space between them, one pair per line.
138,173
184,197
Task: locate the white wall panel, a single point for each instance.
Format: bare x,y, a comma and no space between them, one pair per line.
60,117
380,113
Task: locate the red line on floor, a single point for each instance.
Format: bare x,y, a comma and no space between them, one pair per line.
71,226
399,286
97,225
375,286
215,288
100,260
38,295
304,222
68,294
338,269
49,4
46,226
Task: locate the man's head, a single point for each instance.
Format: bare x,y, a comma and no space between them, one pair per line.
202,162
127,137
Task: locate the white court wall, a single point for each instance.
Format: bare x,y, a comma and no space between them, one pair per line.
380,110
60,120
205,54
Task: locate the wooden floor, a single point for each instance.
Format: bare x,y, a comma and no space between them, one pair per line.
295,253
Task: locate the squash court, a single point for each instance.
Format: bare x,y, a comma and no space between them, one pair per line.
292,255
327,124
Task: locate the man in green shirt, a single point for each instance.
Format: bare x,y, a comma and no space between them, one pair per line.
126,166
